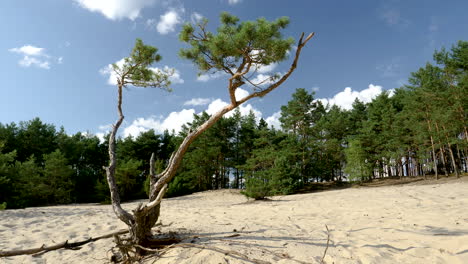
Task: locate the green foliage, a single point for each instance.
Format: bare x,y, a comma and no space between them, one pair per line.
227,48
3,206
272,168
136,68
102,193
126,177
358,166
58,176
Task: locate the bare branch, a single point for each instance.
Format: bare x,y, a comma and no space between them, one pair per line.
328,243
156,201
152,175
293,66
44,248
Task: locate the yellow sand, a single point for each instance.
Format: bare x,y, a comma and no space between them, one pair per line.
395,224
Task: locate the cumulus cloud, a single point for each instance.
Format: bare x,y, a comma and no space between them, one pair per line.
116,9
263,79
169,21
198,101
109,71
266,68
346,98
27,61
273,120
112,80
29,50
241,93
175,120
34,56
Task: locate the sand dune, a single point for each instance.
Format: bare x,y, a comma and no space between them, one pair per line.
393,224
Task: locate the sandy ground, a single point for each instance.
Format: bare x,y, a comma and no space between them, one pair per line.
393,224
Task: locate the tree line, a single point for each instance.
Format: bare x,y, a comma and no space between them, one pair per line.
417,130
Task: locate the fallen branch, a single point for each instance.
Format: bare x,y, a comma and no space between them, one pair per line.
220,250
328,243
66,245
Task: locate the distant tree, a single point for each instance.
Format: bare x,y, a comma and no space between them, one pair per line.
126,176
358,165
299,117
7,173
237,49
272,168
32,189
58,175
35,138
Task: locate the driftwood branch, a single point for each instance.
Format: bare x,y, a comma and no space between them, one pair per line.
65,245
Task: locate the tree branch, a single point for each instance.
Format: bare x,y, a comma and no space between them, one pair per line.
44,248
270,88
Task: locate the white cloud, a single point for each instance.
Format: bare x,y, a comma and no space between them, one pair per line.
273,120
346,98
108,70
116,9
266,68
241,93
263,79
33,56
173,121
315,89
112,80
244,109
60,60
27,61
196,17
168,22
198,101
101,135
29,50
175,77
210,76
234,2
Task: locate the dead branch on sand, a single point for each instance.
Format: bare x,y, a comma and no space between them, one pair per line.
328,243
66,245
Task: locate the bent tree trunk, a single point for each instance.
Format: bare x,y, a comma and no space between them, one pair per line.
145,216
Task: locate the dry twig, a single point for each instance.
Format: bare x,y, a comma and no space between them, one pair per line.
328,243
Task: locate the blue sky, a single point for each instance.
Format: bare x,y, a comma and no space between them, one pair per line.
55,52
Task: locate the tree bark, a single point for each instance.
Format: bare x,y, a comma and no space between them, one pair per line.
454,163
